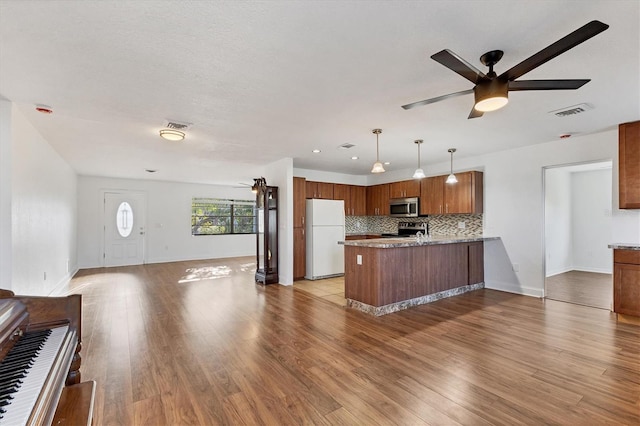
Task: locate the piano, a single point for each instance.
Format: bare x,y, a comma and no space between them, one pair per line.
40,342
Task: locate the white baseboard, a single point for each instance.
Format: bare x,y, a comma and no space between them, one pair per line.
560,271
596,270
514,288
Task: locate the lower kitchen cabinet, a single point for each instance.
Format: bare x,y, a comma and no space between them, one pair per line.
626,282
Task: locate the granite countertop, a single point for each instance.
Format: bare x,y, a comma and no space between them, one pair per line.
412,242
625,246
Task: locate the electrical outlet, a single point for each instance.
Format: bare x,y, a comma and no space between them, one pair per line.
358,259
462,225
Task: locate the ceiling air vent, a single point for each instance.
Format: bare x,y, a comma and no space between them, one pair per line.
572,110
346,146
177,125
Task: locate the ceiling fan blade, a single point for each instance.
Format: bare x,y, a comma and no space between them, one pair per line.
546,84
458,65
475,113
580,35
438,99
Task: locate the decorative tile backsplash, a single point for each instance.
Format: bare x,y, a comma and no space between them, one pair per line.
438,224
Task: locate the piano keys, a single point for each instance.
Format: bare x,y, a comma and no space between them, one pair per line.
39,357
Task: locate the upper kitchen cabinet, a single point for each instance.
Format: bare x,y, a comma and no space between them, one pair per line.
439,197
464,196
629,165
378,200
354,198
319,190
432,195
299,201
404,189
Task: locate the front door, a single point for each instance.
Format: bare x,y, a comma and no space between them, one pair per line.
124,228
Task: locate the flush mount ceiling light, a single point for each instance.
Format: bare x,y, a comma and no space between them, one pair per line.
171,135
452,178
377,166
419,174
316,151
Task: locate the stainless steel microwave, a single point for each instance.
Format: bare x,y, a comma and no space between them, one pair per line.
404,207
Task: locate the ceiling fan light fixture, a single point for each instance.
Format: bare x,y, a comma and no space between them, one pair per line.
492,95
172,135
377,166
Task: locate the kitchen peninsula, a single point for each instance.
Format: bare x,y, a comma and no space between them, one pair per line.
390,274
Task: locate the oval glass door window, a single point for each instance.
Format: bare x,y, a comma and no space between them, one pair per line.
124,219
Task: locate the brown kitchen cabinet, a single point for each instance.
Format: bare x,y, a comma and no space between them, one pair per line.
439,197
626,282
432,195
354,197
299,253
629,165
377,200
322,190
299,202
404,189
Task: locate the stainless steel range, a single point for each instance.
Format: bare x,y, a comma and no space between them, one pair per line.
409,229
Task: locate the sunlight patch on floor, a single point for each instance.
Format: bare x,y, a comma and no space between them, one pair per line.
205,273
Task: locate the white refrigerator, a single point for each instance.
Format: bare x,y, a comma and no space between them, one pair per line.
324,227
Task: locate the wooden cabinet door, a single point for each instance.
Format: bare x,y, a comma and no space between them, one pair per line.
404,189
358,200
299,201
629,165
342,192
299,253
322,190
378,200
457,196
432,195
325,190
476,263
626,289
464,196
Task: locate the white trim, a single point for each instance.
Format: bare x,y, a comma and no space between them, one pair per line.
594,270
513,288
62,287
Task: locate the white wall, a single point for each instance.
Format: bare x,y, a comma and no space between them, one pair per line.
168,219
280,174
558,221
320,176
43,213
5,194
591,221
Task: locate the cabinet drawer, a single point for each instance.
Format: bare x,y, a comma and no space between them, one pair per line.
627,256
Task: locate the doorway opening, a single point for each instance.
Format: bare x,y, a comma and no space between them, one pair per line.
577,226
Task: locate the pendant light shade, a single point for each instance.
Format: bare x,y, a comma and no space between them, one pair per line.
377,166
452,178
419,174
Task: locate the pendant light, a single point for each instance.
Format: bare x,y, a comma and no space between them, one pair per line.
377,166
452,178
419,174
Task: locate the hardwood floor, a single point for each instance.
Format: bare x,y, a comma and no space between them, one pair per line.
201,343
583,288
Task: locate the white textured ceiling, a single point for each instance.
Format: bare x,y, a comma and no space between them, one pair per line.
265,80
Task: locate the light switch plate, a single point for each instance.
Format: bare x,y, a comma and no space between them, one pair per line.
359,259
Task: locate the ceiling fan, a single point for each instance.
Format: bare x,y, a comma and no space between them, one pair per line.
491,90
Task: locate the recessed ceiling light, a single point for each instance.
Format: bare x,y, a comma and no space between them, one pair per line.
354,157
386,163
315,151
171,135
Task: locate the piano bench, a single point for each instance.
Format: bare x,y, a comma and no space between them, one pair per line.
76,405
